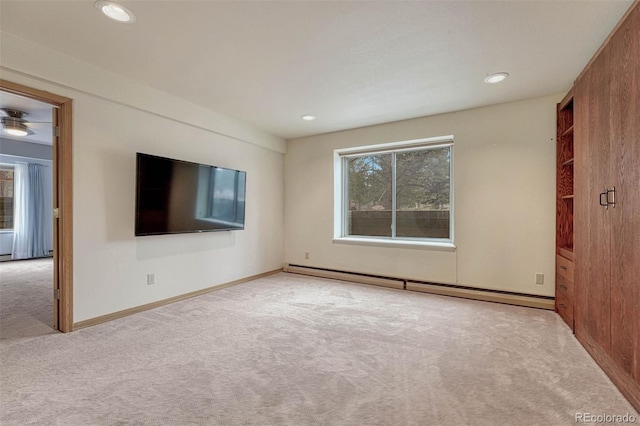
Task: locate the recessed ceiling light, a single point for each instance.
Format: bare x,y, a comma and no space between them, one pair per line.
116,12
308,117
496,78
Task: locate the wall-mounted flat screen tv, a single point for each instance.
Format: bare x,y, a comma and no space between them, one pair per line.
174,196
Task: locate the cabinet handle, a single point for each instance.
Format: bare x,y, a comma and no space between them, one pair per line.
563,306
613,196
562,286
564,268
604,204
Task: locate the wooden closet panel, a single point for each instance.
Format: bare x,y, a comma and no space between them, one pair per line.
625,131
592,239
581,205
580,200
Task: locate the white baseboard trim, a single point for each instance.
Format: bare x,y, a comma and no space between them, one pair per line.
487,296
540,302
345,276
7,257
126,312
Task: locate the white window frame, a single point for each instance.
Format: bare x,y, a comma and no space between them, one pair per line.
340,193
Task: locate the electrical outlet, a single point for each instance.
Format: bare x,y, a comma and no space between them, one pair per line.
306,255
539,279
151,279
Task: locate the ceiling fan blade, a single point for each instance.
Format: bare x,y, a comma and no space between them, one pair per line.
38,124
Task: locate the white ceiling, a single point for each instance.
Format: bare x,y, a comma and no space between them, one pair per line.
351,63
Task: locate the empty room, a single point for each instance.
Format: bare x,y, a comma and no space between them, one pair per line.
319,212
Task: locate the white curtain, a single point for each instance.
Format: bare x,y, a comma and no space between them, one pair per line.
30,225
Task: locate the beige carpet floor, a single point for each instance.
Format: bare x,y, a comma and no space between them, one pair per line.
26,298
295,350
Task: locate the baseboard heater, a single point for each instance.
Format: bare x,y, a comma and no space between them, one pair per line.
499,296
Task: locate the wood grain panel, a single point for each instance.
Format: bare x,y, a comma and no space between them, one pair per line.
56,229
609,37
564,224
564,268
564,174
629,388
625,136
564,286
607,146
591,223
599,285
581,200
565,148
65,226
565,115
565,180
564,307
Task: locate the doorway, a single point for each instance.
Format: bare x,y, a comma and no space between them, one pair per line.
62,291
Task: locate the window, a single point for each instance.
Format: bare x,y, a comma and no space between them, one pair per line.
6,198
396,192
226,202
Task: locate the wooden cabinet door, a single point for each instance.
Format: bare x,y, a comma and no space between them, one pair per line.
592,224
625,159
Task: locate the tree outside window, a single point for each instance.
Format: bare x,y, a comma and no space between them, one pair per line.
399,194
6,198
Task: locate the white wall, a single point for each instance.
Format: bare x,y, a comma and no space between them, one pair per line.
504,184
25,149
113,118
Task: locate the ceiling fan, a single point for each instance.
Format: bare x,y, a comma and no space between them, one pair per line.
14,123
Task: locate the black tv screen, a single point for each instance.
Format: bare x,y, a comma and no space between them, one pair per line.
174,196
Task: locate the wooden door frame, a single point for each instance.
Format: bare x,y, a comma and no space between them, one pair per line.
63,198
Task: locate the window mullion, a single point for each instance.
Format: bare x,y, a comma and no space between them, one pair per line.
345,198
393,195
